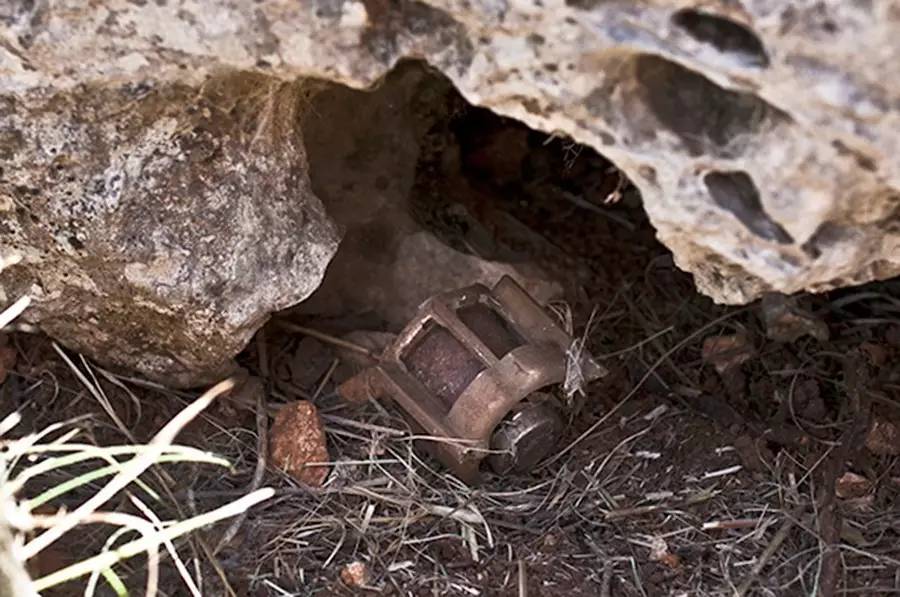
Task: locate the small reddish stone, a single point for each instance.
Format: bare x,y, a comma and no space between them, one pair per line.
296,440
355,574
878,355
727,352
851,486
884,437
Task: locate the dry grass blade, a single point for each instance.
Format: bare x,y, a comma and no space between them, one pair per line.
76,453
129,523
97,392
112,579
590,430
327,338
262,442
14,580
9,422
13,311
170,547
109,558
522,579
779,538
130,470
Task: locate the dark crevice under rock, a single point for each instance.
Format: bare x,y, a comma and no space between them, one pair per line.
434,194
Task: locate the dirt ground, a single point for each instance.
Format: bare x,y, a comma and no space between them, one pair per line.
712,460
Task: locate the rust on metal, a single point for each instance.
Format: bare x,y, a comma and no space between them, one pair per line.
468,370
442,363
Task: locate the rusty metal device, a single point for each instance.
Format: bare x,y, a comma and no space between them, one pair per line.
468,371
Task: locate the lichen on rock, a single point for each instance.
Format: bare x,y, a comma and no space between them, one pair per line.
160,224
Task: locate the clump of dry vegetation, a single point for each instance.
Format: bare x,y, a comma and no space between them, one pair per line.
29,524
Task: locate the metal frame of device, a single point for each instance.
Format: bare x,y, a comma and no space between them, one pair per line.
469,359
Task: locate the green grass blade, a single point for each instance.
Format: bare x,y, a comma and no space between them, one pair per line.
115,583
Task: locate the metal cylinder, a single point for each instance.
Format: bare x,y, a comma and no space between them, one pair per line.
526,437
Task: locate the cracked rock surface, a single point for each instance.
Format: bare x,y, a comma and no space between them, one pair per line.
761,134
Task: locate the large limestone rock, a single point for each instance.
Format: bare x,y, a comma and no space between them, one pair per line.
158,225
761,134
